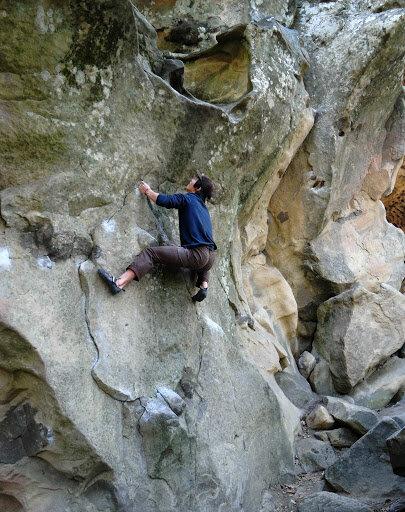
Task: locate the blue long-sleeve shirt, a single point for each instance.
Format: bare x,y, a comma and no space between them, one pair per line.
194,219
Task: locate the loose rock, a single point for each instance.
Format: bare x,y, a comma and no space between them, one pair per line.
319,418
360,419
306,363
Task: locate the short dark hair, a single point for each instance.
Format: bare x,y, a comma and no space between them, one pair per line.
206,186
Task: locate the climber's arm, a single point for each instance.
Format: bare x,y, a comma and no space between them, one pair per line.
171,200
165,200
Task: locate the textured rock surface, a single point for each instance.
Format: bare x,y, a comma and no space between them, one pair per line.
386,384
306,363
360,419
365,470
328,502
147,401
314,454
396,450
339,437
358,330
319,418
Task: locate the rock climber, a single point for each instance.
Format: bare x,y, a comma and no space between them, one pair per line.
197,251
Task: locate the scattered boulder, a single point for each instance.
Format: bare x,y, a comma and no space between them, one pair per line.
331,502
314,455
306,363
396,449
321,379
364,470
358,330
338,438
382,386
360,419
295,388
319,418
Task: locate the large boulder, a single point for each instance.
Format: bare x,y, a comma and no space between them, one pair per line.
364,470
384,385
358,330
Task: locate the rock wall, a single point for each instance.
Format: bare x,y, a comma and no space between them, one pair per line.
146,401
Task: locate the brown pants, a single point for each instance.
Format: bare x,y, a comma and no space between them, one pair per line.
199,259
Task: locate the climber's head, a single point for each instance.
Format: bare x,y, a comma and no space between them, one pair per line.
202,185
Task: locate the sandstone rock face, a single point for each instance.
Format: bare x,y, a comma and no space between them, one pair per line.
147,401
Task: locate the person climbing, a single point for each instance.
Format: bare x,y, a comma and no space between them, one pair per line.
197,251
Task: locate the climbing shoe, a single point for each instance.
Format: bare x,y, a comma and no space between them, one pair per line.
110,281
200,295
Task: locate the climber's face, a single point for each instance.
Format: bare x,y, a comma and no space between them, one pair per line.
190,187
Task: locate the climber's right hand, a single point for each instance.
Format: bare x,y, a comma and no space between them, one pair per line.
144,187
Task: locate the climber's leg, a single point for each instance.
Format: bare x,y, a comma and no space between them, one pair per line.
202,279
170,255
147,259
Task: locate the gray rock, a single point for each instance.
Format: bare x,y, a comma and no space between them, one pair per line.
173,400
321,378
360,419
314,455
396,449
306,363
85,116
296,388
330,502
319,418
339,437
397,506
364,470
358,330
396,412
382,386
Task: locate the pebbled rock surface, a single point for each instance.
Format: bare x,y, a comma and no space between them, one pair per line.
146,401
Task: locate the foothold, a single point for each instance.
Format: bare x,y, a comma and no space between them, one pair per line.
283,217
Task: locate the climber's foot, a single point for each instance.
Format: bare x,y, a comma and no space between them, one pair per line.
200,295
110,281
